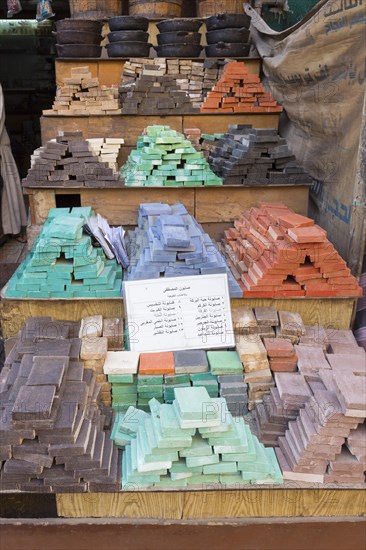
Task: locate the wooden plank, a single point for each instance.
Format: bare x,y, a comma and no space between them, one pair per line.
128,127
209,205
222,204
42,201
216,123
109,70
223,504
120,206
131,126
14,313
329,312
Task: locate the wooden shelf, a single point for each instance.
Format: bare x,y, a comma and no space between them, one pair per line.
109,69
215,207
329,312
130,127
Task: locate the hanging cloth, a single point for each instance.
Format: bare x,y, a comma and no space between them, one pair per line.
13,211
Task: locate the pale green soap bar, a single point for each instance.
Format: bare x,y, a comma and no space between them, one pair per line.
221,468
150,379
193,461
203,479
169,423
181,467
181,440
121,378
169,482
199,447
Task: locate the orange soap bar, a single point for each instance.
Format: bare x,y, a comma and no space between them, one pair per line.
157,363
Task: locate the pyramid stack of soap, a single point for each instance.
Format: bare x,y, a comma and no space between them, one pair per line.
169,242
279,253
121,368
255,156
237,91
52,422
157,95
168,451
64,264
107,149
194,78
82,94
71,161
165,157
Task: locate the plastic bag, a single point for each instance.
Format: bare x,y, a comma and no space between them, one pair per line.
14,7
44,10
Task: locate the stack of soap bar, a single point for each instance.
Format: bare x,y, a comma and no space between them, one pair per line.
195,441
157,95
169,242
82,94
190,361
206,380
121,369
107,150
257,375
52,426
280,254
255,156
194,78
164,157
282,355
239,92
148,387
64,264
235,391
71,161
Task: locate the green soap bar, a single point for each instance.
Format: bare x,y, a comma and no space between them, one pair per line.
13,293
224,362
202,376
221,468
61,266
150,379
115,293
58,277
24,287
170,183
63,294
199,447
84,293
103,279
57,212
35,276
172,380
172,156
53,286
89,258
92,270
146,400
181,467
208,384
169,423
213,183
189,156
193,461
203,479
120,406
82,211
232,479
38,294
146,388
131,421
169,482
121,378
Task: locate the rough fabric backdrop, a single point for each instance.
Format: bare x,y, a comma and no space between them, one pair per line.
316,69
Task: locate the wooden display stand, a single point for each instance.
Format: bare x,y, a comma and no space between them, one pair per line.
329,312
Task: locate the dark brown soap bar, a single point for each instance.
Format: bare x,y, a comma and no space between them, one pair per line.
48,371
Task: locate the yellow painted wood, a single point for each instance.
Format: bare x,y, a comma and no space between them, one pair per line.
331,312
215,504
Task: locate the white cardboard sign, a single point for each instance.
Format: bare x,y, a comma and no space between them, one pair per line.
171,314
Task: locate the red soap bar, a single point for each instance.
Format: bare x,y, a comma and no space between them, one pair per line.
292,219
313,234
157,363
279,347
